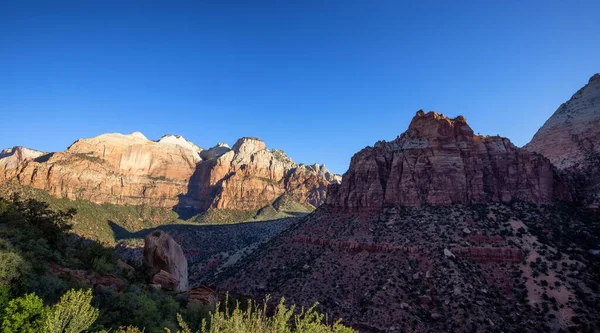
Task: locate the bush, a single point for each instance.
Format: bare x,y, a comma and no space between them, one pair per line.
255,319
24,315
73,313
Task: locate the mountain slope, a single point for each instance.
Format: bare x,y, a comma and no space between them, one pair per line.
438,231
570,139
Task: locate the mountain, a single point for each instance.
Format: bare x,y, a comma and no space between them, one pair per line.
439,161
439,230
570,139
171,172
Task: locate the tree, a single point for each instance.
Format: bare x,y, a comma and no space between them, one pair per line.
72,314
25,314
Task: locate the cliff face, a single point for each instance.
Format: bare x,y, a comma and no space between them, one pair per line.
570,139
249,176
439,161
130,169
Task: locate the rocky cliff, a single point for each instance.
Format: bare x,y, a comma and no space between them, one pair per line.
440,161
438,230
130,169
249,176
570,139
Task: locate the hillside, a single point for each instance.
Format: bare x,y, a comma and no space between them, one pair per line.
439,230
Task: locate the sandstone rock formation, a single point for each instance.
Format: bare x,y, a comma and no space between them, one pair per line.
167,260
438,230
202,295
570,139
165,280
88,277
439,161
130,169
249,176
11,158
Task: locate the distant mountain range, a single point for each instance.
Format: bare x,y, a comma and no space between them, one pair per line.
170,172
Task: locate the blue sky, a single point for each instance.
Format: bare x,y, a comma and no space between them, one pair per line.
317,79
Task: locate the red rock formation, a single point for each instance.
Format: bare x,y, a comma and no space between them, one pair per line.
439,161
203,295
165,280
130,169
164,255
249,176
88,277
570,139
11,158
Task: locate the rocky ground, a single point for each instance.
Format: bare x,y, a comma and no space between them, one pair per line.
481,268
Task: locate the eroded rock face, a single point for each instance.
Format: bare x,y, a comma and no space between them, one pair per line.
249,176
130,169
11,158
166,258
570,139
439,161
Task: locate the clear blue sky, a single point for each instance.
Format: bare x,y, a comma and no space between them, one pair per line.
318,79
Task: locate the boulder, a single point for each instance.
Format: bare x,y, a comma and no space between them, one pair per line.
165,280
202,295
162,253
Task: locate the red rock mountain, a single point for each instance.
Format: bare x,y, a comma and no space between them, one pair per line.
439,230
130,169
439,161
570,139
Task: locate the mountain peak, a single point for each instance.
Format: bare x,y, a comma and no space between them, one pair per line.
434,125
249,145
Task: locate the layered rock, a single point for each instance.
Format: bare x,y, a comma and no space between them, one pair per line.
11,158
250,176
130,169
440,161
570,139
167,260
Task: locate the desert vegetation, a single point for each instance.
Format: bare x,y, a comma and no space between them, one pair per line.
45,274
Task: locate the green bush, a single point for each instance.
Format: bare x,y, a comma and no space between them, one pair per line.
255,319
24,315
72,314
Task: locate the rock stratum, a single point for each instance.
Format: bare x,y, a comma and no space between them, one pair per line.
440,161
570,139
170,172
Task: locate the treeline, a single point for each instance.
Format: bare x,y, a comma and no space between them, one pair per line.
33,298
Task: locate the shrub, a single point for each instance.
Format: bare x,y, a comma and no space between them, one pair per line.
255,319
24,315
72,314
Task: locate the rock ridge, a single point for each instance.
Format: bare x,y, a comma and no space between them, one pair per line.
440,161
170,172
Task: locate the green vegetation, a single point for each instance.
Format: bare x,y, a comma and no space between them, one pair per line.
223,216
107,223
36,242
93,221
89,157
255,319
